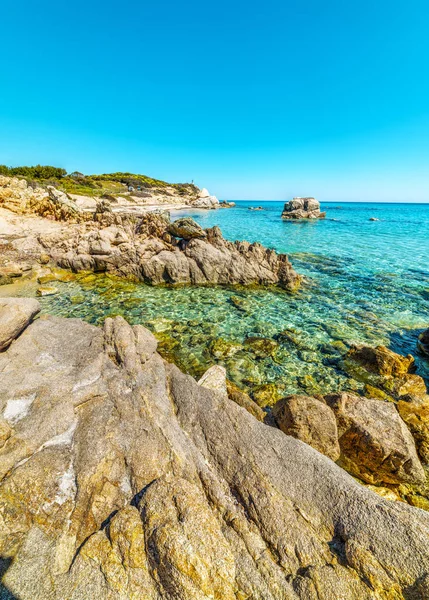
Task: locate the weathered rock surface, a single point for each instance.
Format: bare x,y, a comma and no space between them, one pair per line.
121,478
415,413
375,443
19,197
309,420
187,229
215,379
303,208
15,315
381,369
143,248
423,342
244,400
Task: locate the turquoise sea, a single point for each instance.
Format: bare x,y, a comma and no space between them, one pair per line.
366,281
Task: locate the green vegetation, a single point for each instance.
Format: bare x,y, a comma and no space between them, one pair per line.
95,185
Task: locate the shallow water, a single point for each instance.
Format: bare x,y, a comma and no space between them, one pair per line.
366,282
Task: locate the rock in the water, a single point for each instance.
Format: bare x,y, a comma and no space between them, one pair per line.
383,369
15,315
120,478
310,421
423,342
215,379
187,229
375,443
303,208
138,248
47,290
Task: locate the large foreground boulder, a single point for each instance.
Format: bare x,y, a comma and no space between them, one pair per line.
303,208
125,479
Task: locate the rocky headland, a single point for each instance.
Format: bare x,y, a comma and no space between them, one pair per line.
148,248
302,208
121,477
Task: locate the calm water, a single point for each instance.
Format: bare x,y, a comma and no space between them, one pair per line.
366,281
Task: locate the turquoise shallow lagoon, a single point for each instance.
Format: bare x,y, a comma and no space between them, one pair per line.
366,281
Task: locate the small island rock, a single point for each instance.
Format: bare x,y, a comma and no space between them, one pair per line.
303,208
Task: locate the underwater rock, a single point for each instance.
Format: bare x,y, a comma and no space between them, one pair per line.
221,348
266,394
46,290
121,477
302,208
423,342
310,421
244,400
261,347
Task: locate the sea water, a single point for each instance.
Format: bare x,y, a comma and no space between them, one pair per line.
365,282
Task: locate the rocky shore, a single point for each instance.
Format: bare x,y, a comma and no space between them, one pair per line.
121,477
148,248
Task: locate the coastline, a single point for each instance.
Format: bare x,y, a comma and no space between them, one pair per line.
221,311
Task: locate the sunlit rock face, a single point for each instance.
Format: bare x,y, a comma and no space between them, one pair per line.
303,208
121,477
156,251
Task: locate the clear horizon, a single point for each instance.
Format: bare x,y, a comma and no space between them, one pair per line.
250,101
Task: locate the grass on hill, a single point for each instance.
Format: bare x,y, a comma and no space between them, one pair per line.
94,185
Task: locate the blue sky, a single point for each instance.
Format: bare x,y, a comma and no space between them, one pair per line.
253,100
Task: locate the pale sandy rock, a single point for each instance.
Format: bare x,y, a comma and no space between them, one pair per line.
15,315
125,479
215,379
204,193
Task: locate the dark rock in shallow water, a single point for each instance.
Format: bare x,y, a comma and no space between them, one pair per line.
423,342
121,477
383,369
303,208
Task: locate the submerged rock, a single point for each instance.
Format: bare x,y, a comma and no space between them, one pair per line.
303,208
261,347
423,342
120,477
